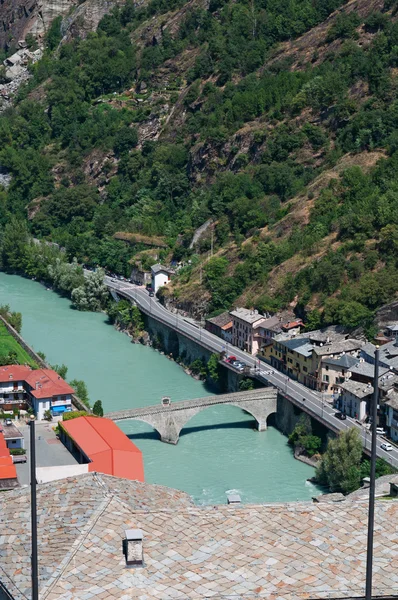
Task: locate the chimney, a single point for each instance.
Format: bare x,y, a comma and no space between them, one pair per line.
37,385
132,548
233,499
10,376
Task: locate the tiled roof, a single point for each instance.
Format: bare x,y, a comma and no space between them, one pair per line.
159,268
47,383
14,373
338,347
392,400
345,362
358,389
221,320
284,551
249,316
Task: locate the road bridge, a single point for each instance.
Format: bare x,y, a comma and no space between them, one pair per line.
170,419
308,400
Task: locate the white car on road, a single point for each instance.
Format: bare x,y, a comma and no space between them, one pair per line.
385,446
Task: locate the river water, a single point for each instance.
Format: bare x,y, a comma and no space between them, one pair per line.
218,451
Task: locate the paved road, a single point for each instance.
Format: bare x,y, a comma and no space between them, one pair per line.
309,400
50,452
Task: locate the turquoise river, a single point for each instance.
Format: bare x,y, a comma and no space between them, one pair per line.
219,450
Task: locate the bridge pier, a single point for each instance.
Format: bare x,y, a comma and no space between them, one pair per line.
261,425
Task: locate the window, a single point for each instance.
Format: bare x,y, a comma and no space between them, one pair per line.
305,369
327,368
326,378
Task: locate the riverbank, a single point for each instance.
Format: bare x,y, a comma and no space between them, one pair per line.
218,451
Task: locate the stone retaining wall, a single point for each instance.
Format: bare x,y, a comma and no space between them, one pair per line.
42,363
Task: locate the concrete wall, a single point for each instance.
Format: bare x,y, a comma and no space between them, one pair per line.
75,400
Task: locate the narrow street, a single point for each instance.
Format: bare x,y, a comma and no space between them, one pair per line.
50,452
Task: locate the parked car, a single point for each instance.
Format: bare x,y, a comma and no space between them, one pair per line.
238,365
19,458
8,422
231,359
385,446
151,294
340,415
380,431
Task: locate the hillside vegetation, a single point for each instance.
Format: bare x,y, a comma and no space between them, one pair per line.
277,120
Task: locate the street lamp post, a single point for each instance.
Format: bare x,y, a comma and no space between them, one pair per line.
371,512
33,508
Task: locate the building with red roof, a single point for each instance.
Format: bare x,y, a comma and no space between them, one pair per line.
100,443
8,473
43,389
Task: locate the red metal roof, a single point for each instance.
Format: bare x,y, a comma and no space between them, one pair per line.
47,383
106,446
7,469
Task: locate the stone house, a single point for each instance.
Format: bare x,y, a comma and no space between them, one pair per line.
221,325
335,371
355,399
246,333
391,411
160,276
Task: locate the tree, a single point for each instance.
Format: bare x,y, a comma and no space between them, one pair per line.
48,416
246,384
213,367
60,369
81,390
97,408
340,465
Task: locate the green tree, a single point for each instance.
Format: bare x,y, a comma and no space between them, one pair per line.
62,370
81,390
340,464
97,408
213,367
246,384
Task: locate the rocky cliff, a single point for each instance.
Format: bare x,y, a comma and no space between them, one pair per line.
20,17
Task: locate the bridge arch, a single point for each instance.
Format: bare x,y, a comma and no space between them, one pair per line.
170,424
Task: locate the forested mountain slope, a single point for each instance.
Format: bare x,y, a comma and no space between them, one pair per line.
276,120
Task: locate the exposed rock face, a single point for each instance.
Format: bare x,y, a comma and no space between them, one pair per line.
20,17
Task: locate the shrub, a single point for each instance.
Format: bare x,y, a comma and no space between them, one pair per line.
74,414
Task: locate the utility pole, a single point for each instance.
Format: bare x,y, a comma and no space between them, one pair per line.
33,508
371,511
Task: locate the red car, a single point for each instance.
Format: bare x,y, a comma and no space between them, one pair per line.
230,359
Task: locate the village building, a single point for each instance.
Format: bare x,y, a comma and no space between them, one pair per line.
355,398
307,357
391,411
140,277
160,276
221,325
12,435
100,444
388,354
335,371
41,389
246,333
392,331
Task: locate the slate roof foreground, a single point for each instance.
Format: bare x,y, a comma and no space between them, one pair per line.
284,551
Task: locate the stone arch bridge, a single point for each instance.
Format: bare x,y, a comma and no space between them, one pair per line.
169,419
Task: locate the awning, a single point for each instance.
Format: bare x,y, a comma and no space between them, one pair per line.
59,408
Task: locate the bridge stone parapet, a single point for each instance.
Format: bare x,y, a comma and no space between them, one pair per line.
169,420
